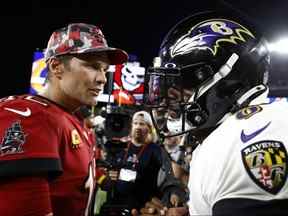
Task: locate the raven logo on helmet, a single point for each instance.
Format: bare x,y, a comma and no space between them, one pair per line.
208,35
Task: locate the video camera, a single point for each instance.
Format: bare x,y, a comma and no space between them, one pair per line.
117,125
116,129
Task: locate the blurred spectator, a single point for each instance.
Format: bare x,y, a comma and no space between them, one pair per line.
172,146
187,157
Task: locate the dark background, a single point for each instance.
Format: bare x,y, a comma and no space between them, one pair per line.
135,26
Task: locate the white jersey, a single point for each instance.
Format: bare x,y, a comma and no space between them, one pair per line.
242,166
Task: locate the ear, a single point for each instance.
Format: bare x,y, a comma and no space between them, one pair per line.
56,67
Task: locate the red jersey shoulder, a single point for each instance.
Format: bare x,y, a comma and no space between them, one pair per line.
34,119
31,108
27,107
22,105
22,121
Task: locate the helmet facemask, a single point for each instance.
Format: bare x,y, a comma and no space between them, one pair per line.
174,94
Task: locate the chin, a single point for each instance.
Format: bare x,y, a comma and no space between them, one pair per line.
91,102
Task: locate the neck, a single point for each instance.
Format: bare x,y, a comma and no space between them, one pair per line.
137,144
138,141
60,98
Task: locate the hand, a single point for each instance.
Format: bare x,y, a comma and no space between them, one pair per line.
152,208
179,211
174,200
156,208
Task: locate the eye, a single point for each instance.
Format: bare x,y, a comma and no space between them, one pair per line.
96,66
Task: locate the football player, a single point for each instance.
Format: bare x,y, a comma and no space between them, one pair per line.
210,80
47,161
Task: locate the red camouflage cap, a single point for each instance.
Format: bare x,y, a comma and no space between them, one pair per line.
79,38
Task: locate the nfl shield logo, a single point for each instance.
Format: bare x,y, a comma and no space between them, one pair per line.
266,164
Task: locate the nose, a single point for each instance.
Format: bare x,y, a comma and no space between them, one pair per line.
101,77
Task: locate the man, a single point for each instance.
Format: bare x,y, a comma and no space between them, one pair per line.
46,153
172,146
136,178
211,78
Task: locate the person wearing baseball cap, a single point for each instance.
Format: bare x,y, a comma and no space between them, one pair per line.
142,171
46,153
78,38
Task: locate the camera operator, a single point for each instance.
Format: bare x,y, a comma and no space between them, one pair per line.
137,181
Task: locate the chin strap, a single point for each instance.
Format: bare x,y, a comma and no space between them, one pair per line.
222,73
255,95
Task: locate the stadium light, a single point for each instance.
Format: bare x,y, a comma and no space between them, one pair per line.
280,46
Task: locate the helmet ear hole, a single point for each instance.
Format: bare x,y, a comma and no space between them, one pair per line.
199,75
197,118
204,73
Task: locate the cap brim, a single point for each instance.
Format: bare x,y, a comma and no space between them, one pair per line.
115,55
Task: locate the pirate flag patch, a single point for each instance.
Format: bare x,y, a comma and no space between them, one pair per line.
13,140
266,164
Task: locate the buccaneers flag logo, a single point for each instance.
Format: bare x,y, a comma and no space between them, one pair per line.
13,140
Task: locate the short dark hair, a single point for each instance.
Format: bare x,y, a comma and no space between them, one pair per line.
65,59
